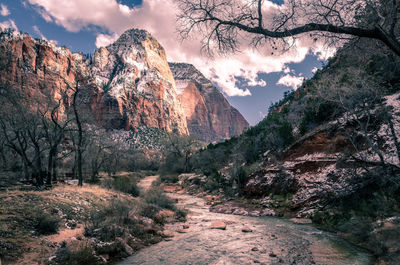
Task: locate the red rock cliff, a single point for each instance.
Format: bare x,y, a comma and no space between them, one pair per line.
209,115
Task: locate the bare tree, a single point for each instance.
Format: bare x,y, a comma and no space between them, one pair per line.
55,125
362,114
79,143
222,22
22,130
180,150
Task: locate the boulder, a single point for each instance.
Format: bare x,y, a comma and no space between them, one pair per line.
246,229
218,225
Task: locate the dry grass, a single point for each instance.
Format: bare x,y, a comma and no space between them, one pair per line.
18,210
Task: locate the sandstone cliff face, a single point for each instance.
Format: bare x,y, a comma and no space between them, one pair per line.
129,85
208,114
37,68
136,85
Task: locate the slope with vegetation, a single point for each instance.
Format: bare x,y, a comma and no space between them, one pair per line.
328,151
89,225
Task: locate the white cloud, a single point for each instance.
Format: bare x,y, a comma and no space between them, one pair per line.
314,70
286,70
8,24
102,40
4,10
159,18
291,81
38,32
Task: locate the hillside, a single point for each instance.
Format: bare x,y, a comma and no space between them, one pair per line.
328,151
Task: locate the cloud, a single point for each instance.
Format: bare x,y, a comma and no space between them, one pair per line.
314,70
8,24
291,81
4,10
38,32
159,18
102,40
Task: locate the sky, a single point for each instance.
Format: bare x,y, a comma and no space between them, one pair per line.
251,79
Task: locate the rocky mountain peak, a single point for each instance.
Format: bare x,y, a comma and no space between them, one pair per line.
135,66
133,35
209,115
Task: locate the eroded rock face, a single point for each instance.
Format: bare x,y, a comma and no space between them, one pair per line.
39,69
209,115
129,84
136,85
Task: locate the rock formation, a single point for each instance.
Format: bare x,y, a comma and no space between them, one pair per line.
137,85
208,114
129,84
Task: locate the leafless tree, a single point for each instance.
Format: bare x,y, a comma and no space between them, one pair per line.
363,114
226,23
22,130
180,150
55,126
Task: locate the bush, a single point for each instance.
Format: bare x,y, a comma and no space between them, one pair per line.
157,197
46,224
105,223
64,256
124,184
169,178
181,214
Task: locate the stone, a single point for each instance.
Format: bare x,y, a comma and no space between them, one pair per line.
166,213
185,226
218,225
126,247
182,231
209,116
167,233
254,249
301,220
246,229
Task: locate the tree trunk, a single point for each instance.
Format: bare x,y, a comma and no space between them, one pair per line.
80,178
54,169
80,136
49,167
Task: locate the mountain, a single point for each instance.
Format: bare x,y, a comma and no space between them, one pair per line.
209,116
136,85
127,85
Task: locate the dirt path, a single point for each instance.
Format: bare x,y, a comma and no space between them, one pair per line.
272,241
145,183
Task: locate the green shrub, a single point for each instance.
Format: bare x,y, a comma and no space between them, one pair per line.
123,184
149,210
126,185
106,222
181,214
64,256
157,197
211,185
169,178
46,224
